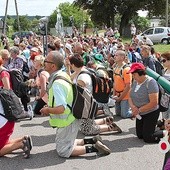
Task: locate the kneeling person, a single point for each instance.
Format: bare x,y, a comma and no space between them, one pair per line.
61,94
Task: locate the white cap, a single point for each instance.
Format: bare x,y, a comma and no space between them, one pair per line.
69,47
35,49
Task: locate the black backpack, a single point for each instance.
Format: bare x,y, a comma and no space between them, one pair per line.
11,105
18,85
108,71
84,105
163,98
101,86
25,68
159,67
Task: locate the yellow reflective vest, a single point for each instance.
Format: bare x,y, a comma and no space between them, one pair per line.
66,118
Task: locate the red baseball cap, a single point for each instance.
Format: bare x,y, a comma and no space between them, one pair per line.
136,66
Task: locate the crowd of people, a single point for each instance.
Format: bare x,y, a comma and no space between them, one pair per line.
134,92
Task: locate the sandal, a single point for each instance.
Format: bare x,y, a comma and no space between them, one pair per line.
114,127
26,149
108,120
29,140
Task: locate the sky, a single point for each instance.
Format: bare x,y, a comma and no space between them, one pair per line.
31,7
36,7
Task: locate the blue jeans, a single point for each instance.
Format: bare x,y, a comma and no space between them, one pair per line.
122,109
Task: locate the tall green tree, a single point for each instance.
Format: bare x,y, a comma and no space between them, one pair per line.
25,24
10,20
103,11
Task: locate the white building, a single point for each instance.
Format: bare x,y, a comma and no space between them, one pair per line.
155,22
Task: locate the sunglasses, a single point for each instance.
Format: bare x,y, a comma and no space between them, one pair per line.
46,61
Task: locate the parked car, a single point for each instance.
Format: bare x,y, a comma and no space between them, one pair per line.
157,34
22,34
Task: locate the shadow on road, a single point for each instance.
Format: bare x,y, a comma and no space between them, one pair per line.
43,140
44,124
36,161
123,145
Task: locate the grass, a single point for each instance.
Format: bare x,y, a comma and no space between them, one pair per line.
158,47
162,48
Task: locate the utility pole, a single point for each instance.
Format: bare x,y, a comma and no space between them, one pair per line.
16,8
167,6
4,26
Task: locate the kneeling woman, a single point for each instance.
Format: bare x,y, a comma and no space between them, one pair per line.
144,102
6,127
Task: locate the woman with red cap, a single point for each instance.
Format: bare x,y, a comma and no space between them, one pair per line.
143,101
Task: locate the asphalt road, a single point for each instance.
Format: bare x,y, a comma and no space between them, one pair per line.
128,152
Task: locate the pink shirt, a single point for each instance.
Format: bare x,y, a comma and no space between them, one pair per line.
2,75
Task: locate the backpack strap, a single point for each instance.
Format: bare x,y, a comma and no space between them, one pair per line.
86,72
121,71
62,78
39,72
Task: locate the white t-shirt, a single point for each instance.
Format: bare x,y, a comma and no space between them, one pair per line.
3,120
87,80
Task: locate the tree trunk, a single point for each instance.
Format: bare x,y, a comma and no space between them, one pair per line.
124,21
107,21
113,20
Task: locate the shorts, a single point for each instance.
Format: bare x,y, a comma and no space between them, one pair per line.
5,133
65,139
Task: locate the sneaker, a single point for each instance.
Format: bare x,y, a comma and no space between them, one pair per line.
29,114
97,138
102,149
26,114
23,115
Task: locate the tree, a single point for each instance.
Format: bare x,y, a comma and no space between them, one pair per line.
10,20
67,10
141,23
25,24
35,24
104,11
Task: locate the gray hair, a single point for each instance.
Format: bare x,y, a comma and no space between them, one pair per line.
58,59
14,49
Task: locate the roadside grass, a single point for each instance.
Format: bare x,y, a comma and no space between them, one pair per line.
162,48
158,47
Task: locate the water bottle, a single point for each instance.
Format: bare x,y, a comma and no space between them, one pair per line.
138,117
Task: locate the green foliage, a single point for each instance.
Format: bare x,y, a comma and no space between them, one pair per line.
34,25
103,12
141,22
25,24
67,10
9,21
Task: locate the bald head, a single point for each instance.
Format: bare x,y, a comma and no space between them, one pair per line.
121,53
